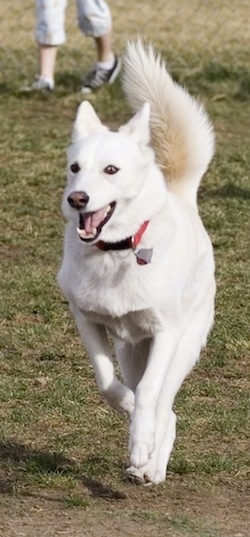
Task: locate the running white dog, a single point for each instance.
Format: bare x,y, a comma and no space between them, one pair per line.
138,262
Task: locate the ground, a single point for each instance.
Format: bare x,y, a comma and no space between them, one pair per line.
182,506
62,451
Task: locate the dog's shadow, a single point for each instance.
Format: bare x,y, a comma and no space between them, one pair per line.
23,459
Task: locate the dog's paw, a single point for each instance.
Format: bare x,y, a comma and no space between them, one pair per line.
128,402
145,476
137,476
141,452
120,397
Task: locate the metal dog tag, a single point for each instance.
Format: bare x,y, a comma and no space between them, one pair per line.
143,256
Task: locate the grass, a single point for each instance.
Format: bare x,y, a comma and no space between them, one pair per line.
57,436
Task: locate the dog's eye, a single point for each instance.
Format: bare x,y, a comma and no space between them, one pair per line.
110,169
75,167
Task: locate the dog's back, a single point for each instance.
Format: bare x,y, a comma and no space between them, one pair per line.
182,135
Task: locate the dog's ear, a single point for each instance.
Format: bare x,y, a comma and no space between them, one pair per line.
87,122
139,125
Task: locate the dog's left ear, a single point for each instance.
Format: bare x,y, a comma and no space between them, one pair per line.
139,126
87,122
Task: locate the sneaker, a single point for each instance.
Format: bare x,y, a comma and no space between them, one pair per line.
99,76
40,84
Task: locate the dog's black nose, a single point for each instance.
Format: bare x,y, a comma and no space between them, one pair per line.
78,200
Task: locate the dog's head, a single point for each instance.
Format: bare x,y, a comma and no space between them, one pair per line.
107,173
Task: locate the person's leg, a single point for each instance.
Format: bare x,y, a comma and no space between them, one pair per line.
47,61
95,20
50,34
104,48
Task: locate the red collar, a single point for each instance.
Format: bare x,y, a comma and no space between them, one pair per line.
130,242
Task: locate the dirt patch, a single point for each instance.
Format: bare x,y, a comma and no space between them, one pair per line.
211,507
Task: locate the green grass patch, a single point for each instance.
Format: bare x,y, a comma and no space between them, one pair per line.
56,432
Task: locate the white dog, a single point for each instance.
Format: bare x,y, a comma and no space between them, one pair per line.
138,263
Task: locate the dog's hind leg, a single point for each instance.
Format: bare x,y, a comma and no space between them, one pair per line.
132,360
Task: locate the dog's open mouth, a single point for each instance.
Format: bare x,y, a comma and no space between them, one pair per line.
91,223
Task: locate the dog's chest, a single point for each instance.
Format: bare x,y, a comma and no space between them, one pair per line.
132,327
122,299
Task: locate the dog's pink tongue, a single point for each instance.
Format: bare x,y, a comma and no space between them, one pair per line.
93,220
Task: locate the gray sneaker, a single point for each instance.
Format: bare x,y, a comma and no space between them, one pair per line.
40,84
99,76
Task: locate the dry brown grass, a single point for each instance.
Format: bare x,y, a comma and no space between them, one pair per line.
60,445
213,27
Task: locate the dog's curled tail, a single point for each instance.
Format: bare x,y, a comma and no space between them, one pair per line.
182,135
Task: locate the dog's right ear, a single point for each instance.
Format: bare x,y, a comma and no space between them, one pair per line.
87,122
139,125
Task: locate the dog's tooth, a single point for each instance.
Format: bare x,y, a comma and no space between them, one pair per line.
81,232
107,211
94,232
84,235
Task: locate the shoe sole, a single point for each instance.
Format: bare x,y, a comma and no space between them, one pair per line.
29,89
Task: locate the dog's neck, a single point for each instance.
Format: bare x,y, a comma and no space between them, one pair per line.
129,242
143,256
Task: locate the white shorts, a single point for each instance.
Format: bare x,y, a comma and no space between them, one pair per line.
94,19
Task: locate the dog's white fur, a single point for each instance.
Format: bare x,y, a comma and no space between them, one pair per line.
159,314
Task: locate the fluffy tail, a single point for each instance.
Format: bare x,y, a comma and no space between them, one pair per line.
182,135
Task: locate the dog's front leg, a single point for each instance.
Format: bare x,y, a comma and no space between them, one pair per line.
95,340
143,421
